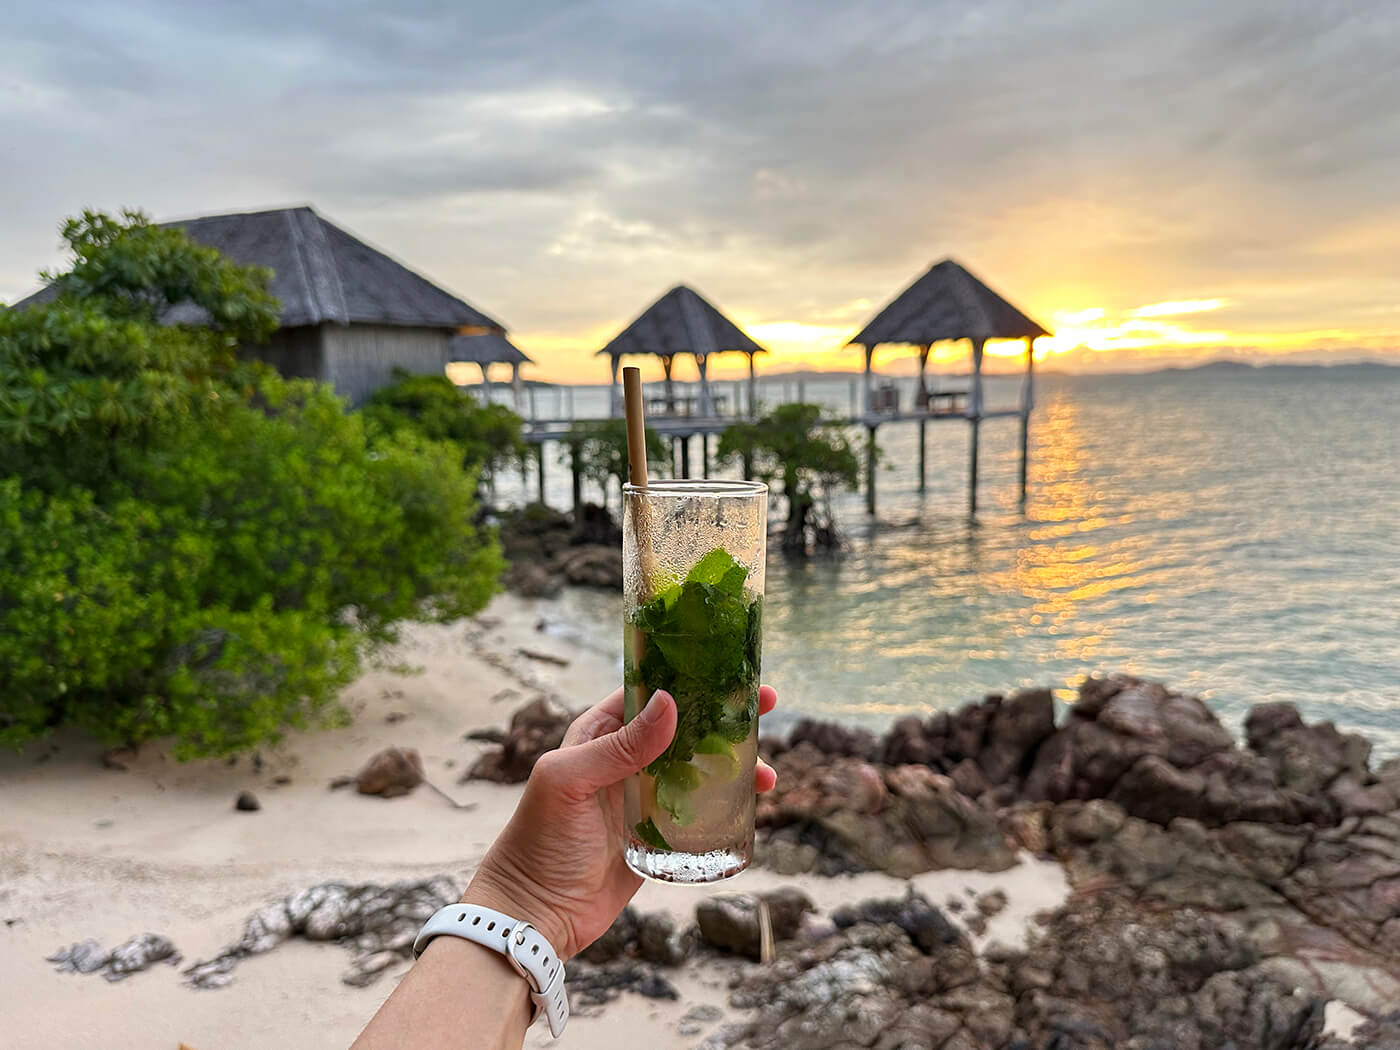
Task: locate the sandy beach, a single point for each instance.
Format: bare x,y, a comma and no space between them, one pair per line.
93,852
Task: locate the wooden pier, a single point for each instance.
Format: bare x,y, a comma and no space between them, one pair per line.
683,430
945,304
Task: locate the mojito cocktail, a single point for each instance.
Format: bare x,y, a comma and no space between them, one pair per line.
693,559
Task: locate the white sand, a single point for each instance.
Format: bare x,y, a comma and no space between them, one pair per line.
91,852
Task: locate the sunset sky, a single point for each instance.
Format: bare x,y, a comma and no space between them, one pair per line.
1157,183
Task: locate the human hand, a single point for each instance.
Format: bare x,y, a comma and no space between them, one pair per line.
558,863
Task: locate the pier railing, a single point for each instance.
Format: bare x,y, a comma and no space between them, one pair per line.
682,416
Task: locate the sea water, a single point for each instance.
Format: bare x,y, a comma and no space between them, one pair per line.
1234,534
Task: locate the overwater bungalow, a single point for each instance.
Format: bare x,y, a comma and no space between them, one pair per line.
683,323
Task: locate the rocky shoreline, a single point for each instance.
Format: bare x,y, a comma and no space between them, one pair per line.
1222,895
1219,893
549,550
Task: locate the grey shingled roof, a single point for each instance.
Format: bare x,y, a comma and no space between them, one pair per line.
947,302
490,348
681,322
321,273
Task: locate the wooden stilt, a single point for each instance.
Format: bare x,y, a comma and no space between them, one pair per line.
685,456
577,478
704,455
706,403
753,389
923,453
539,450
870,469
974,418
869,362
1027,403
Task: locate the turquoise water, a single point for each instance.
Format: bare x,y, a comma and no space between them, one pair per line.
1232,534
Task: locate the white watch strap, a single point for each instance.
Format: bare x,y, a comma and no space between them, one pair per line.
525,947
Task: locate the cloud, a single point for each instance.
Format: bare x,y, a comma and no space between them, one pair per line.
560,163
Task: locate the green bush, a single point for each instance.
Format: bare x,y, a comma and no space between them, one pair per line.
808,459
433,406
191,546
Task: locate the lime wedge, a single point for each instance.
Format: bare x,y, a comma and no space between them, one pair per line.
673,788
715,759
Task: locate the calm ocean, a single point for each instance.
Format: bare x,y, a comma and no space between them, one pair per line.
1234,534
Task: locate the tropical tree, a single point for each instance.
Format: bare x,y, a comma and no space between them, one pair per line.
599,451
806,459
190,545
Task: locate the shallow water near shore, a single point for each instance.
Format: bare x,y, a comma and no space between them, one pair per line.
1233,534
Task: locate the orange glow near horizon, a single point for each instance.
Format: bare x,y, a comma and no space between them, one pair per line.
1086,338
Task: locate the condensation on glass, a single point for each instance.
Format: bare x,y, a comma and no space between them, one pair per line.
693,568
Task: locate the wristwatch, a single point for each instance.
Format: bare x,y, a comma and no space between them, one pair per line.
526,948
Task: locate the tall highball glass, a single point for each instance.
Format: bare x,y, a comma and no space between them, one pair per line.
693,560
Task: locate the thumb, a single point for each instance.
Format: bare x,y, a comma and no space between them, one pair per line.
603,761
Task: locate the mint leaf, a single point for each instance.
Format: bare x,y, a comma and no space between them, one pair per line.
700,641
712,567
648,833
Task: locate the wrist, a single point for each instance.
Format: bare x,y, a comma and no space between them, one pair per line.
514,896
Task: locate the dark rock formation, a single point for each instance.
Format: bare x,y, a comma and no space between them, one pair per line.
832,739
997,737
1321,905
247,802
592,984
537,727
132,956
369,919
652,937
615,941
660,942
1162,755
1102,974
531,580
590,567
392,772
547,549
845,814
730,921
926,926
1288,847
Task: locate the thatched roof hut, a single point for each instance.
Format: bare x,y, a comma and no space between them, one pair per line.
350,314
947,303
488,348
485,350
682,322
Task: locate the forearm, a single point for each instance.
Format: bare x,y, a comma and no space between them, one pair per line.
458,996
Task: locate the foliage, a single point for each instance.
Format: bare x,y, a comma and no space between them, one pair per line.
488,434
189,544
699,640
95,371
600,451
792,447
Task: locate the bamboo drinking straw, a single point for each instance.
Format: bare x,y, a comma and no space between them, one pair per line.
636,425
637,474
